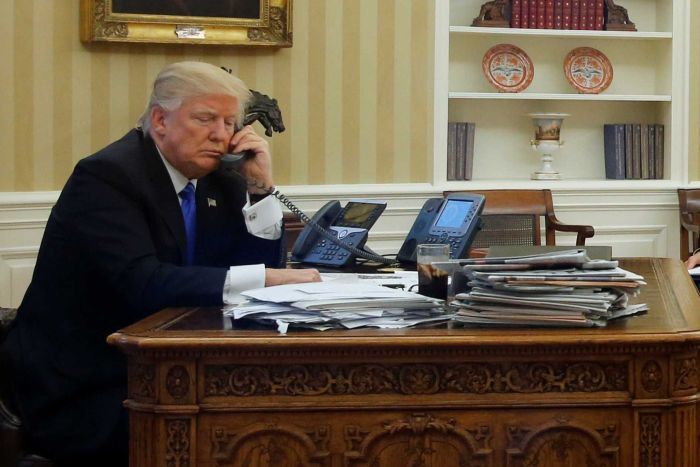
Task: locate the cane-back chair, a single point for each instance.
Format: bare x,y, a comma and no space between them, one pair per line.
513,217
689,206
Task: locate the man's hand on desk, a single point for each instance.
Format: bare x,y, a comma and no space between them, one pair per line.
693,261
290,276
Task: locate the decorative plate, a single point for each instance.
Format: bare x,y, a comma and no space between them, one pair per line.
588,70
508,68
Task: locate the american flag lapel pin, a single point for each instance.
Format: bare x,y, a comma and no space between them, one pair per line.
211,202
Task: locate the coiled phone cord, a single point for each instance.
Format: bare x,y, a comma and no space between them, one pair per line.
320,230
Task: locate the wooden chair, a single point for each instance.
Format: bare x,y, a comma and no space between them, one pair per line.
512,217
12,449
689,206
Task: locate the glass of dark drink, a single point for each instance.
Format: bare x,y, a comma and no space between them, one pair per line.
432,282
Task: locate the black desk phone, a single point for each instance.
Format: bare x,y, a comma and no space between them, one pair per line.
350,224
454,220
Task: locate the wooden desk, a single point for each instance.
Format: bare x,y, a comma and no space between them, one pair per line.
626,395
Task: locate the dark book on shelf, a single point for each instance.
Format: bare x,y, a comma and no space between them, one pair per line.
583,14
644,148
636,151
542,11
558,14
591,15
461,148
566,21
614,146
599,15
525,14
451,150
575,14
548,17
469,155
515,14
659,151
652,151
629,165
532,22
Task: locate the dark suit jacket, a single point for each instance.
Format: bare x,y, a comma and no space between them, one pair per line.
112,253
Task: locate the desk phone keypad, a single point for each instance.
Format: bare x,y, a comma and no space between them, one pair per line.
445,239
328,253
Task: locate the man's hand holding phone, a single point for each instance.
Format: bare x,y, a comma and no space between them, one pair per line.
257,164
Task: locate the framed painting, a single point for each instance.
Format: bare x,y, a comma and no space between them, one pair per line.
231,22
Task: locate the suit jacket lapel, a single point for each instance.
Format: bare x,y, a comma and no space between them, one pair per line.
211,207
164,195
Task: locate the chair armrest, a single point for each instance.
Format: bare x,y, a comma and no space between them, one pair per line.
582,231
688,224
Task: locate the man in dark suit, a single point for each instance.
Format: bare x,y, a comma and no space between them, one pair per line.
124,240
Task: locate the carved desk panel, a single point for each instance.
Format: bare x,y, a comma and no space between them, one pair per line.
204,394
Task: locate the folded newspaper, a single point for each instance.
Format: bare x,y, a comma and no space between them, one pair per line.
562,288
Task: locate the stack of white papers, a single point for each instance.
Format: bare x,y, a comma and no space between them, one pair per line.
337,304
554,289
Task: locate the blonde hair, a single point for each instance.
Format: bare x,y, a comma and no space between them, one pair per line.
182,80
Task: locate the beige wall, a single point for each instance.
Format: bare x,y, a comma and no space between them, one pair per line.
694,123
355,91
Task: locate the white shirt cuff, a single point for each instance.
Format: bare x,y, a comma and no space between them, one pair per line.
240,278
264,218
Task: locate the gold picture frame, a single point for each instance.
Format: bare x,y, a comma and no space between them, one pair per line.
232,22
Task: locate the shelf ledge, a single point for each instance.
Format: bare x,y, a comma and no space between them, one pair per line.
630,35
560,97
567,184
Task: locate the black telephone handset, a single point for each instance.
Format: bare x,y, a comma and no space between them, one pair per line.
336,234
454,221
232,161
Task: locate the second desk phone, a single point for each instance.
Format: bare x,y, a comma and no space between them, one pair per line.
453,220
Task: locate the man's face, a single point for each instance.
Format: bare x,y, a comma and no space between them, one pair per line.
195,136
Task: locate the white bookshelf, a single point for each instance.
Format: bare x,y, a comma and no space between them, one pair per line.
561,97
649,86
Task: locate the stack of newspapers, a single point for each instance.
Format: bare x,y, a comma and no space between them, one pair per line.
336,305
563,288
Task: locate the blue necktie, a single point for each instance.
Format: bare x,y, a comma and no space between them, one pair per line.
189,214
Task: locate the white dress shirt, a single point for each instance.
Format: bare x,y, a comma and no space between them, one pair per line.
264,220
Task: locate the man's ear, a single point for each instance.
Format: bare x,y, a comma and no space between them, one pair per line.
158,115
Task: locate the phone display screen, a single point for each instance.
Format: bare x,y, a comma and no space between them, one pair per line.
454,213
358,212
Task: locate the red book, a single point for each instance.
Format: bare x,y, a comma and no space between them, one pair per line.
515,14
558,14
583,15
590,25
599,16
575,14
549,14
567,15
541,13
525,14
532,22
